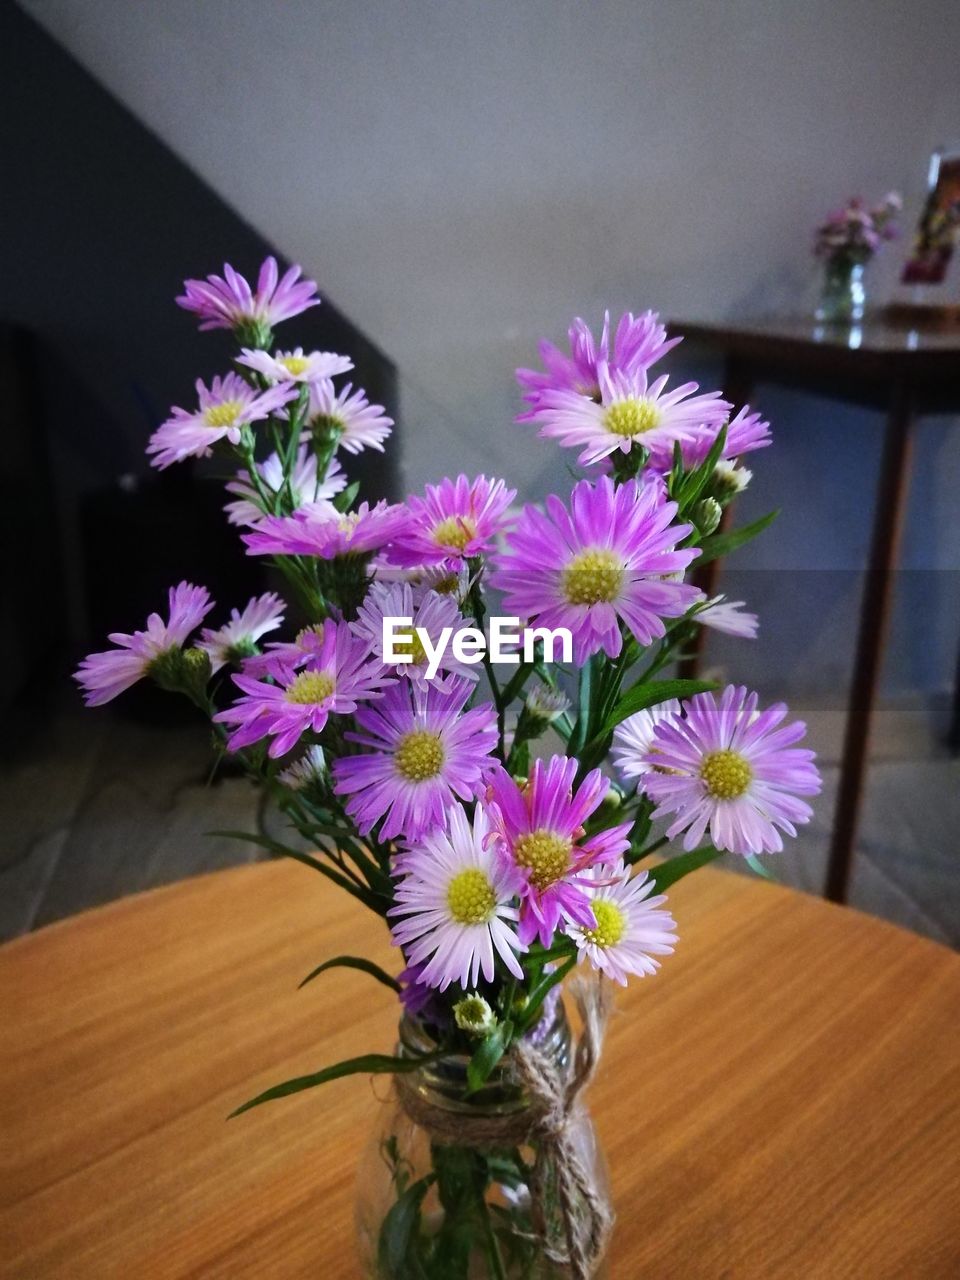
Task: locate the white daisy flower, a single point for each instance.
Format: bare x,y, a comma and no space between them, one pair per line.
296,365
238,638
630,928
633,738
307,769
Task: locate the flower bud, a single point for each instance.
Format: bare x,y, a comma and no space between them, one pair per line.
474,1015
707,515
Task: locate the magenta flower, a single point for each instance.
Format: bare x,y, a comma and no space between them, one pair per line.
360,424
297,365
103,676
746,432
306,488
424,749
238,638
312,533
454,521
605,560
228,302
539,829
332,683
430,611
726,768
224,408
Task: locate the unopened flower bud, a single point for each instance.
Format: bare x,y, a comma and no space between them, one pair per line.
474,1015
707,515
182,670
544,705
728,480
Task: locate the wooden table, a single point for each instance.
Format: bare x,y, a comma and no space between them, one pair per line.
780,1101
903,372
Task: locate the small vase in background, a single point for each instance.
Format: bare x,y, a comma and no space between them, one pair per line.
843,293
845,242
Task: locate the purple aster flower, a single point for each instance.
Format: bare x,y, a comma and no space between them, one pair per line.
311,533
307,489
746,432
224,408
228,302
726,768
603,561
539,829
423,749
359,424
730,617
431,611
633,740
332,683
630,927
454,521
295,366
453,913
103,676
630,411
238,638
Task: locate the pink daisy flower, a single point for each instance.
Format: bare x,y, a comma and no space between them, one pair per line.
726,768
103,676
629,926
453,914
630,411
431,611
332,683
360,424
633,739
228,302
313,533
730,617
454,521
603,561
424,750
308,491
238,638
745,433
224,409
540,831
297,365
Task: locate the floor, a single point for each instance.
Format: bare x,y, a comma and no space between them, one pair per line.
95,805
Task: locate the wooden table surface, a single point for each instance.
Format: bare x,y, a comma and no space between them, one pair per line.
780,1101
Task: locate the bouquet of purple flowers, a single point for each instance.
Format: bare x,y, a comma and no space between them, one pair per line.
854,234
471,729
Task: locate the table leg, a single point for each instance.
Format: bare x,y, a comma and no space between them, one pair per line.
887,524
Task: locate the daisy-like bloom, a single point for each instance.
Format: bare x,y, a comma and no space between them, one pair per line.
423,750
296,365
224,408
310,768
332,683
605,559
237,639
629,928
453,914
307,490
725,768
454,521
730,617
539,831
358,424
638,343
103,676
313,533
228,302
745,433
630,411
729,479
633,739
431,611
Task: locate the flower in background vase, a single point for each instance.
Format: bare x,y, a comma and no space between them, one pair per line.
604,560
745,432
725,767
730,617
332,683
454,521
103,676
638,343
228,302
855,233
453,909
313,533
305,771
296,365
629,928
423,750
308,493
630,411
431,611
237,639
348,415
633,739
539,829
224,409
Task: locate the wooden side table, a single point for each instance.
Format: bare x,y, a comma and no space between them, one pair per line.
904,373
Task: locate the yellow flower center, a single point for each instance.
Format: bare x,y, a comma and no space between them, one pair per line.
593,577
725,774
294,365
448,585
419,755
611,924
222,415
412,644
545,855
455,531
310,686
629,418
315,629
471,897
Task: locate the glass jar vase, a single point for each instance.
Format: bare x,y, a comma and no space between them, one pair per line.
458,1186
842,293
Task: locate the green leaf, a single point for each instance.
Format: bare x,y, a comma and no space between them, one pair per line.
487,1054
345,499
754,863
721,544
642,696
398,1231
667,873
369,1064
697,480
353,962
